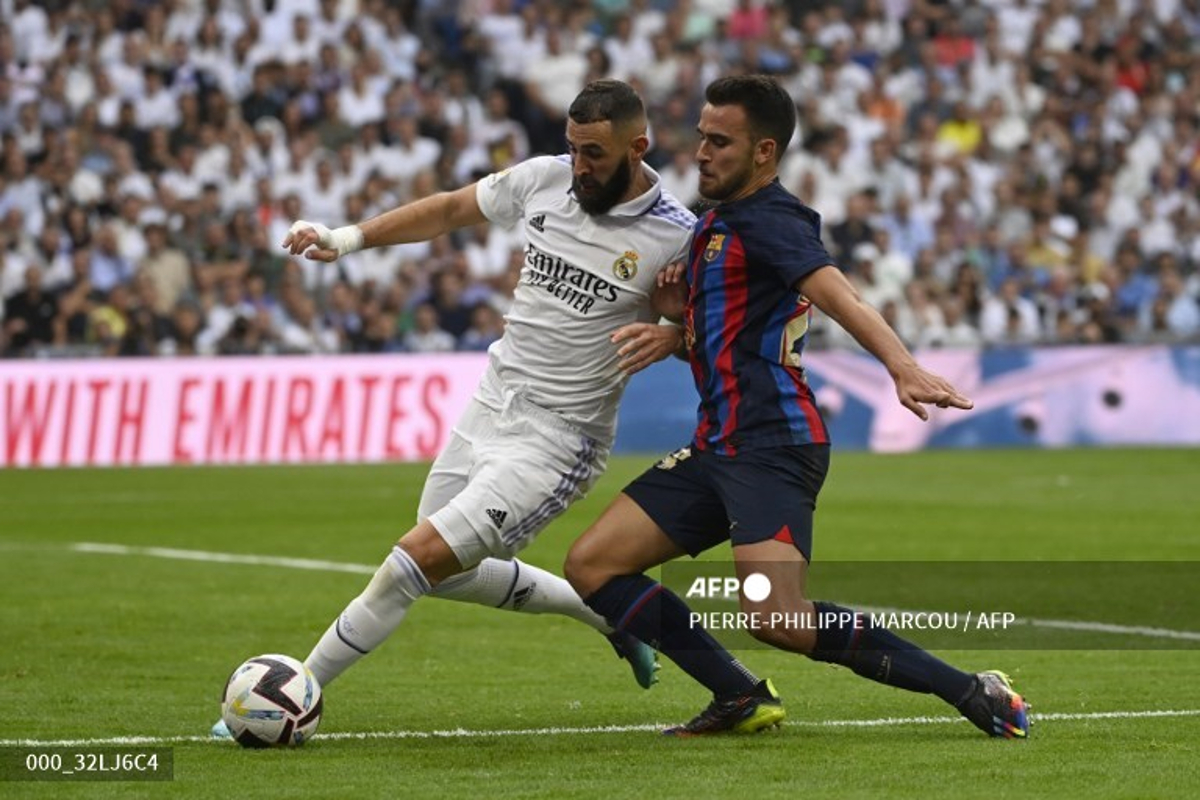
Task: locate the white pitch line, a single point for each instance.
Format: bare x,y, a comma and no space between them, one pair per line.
1063,624
464,733
365,569
222,558
1122,630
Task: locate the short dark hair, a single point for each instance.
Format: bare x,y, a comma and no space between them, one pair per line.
607,101
769,108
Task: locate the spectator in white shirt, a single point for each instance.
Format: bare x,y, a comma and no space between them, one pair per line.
238,185
78,74
30,28
52,254
303,44
952,331
681,177
487,252
28,133
500,129
180,180
128,72
19,188
461,106
156,106
661,75
426,335
1174,311
551,83
1009,318
230,305
129,179
399,47
358,104
303,330
325,195
131,241
12,272
230,18
893,268
629,54
514,38
407,153
1016,21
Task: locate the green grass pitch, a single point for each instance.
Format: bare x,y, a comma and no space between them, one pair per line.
97,646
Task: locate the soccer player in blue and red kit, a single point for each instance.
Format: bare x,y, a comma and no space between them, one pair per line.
760,453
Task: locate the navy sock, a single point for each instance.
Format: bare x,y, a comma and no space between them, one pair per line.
648,610
848,638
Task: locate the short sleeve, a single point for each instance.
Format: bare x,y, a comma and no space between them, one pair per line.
684,250
502,195
789,243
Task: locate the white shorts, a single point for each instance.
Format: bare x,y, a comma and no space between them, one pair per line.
504,476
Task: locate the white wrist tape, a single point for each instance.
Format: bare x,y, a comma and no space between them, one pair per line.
343,240
346,239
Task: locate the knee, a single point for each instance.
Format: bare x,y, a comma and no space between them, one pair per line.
430,552
584,571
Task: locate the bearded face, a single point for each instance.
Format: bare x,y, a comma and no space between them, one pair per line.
597,197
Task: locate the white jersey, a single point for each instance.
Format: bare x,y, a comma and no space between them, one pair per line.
584,277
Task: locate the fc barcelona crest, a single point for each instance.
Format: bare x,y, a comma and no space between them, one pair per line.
715,245
626,266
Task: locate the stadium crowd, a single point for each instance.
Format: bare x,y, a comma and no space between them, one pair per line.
989,171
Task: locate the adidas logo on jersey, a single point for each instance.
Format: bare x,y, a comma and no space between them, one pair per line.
538,223
497,516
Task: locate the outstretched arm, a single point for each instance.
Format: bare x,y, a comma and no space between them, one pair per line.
418,221
829,290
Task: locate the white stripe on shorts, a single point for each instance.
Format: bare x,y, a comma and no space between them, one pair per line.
554,505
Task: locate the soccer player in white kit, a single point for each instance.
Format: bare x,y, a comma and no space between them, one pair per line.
540,426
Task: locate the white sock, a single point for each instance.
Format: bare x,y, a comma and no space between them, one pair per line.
517,586
370,618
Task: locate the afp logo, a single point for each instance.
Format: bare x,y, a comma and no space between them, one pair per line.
756,588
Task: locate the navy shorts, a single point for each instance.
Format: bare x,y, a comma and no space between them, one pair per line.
700,499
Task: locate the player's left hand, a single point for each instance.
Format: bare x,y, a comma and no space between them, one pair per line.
640,344
917,387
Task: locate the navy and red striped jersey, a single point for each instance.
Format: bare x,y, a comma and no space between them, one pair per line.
745,323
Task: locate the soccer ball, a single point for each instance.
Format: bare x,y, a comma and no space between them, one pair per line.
271,700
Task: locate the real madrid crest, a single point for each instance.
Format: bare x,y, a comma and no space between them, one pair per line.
714,247
626,266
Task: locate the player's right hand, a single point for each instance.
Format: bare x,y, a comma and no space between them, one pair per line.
669,297
319,243
304,235
671,273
